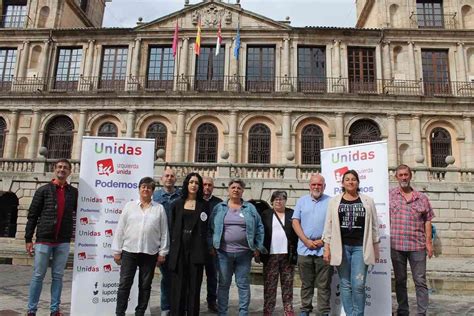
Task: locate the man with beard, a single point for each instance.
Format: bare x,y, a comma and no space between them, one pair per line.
411,240
308,222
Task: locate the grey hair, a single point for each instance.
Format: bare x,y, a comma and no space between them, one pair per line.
238,181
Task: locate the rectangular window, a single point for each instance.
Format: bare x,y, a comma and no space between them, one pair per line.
311,69
430,13
160,68
435,65
260,69
114,68
362,69
14,14
7,67
68,68
210,69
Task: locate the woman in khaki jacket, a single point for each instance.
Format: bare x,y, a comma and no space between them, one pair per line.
351,241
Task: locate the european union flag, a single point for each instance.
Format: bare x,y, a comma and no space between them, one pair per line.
237,43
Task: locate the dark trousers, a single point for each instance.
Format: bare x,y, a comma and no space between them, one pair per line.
165,286
130,262
278,265
186,287
417,260
211,275
314,272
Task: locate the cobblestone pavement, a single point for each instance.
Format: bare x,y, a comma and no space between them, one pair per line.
14,282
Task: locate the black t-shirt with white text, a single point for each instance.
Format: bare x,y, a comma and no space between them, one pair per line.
352,221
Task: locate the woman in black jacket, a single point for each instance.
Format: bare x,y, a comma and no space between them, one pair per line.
281,240
188,248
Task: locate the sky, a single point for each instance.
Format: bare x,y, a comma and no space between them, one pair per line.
125,13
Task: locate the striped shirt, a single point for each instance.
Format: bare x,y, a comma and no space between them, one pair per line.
407,220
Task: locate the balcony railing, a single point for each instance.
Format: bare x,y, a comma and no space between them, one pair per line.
22,167
433,21
14,21
237,84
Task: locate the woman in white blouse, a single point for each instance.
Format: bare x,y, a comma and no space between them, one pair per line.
281,241
141,240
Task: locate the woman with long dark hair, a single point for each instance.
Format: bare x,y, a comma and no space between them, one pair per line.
188,249
351,241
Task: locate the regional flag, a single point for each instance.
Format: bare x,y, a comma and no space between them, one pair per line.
219,39
197,44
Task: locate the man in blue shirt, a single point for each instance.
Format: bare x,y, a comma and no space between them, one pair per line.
166,196
308,222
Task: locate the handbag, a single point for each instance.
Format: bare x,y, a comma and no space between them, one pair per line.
292,258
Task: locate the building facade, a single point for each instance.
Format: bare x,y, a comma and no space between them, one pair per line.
265,105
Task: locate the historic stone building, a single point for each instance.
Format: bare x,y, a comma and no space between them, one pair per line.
261,108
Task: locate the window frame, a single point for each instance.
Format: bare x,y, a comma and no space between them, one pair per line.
362,69
114,80
261,153
71,81
164,80
260,82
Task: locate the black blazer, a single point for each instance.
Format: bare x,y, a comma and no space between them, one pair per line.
199,248
267,219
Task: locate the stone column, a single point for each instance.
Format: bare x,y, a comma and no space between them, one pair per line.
462,65
286,136
136,57
392,141
285,63
417,148
183,57
411,61
468,146
12,135
339,129
387,62
89,59
179,155
43,73
23,66
337,58
81,130
130,123
33,147
233,143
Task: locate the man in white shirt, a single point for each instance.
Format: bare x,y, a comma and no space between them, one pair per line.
142,241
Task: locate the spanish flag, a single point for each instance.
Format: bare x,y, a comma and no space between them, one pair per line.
197,44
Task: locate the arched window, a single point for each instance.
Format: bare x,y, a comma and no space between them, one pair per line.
364,131
58,137
440,144
159,133
311,144
3,127
206,143
108,129
259,144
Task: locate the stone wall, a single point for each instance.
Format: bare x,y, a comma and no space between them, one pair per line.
453,205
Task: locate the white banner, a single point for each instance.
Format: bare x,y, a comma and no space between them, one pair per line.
110,171
370,162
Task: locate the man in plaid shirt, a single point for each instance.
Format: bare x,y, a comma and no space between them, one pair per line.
410,230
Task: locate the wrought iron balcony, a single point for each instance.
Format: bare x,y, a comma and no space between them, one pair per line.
235,84
433,21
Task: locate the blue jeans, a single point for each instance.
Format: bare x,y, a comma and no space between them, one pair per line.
230,263
353,272
59,254
165,286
